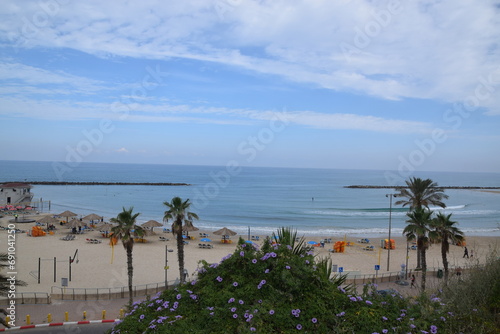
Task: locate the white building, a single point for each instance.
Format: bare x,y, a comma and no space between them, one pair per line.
15,192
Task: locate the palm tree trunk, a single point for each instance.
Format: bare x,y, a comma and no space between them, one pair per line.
424,268
130,271
420,247
180,253
444,248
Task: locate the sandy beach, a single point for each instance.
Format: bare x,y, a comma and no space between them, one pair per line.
102,266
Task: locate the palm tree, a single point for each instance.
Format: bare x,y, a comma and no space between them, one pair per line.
418,228
444,231
126,230
5,284
421,193
178,212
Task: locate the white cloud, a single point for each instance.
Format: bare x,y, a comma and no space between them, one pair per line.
423,49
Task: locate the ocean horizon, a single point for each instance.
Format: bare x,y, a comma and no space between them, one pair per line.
258,199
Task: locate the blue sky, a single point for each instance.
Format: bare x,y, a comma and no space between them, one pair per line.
384,85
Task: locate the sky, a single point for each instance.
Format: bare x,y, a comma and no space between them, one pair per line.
387,85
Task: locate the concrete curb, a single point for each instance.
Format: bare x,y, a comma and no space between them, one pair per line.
52,324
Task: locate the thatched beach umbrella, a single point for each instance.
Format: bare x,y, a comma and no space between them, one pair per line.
151,223
47,220
225,231
105,228
67,214
75,223
92,217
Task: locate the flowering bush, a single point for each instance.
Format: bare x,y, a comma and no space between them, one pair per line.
281,288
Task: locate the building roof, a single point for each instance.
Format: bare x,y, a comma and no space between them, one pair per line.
15,185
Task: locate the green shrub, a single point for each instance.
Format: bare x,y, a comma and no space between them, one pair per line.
283,288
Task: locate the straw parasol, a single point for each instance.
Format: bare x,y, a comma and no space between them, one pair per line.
74,223
151,223
67,214
48,220
92,217
225,231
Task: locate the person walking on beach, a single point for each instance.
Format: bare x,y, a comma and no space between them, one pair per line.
412,281
471,253
466,253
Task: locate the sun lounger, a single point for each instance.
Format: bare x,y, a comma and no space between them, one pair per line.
164,239
369,248
255,237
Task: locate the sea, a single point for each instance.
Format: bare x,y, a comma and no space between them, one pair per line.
255,200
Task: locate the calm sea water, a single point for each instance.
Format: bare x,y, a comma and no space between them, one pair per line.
312,201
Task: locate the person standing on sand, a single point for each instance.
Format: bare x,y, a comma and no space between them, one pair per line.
466,253
412,281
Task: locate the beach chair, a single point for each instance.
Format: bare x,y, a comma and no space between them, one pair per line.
164,239
209,246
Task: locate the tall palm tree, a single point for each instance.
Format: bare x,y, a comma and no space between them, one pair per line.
178,212
418,228
420,193
445,230
126,230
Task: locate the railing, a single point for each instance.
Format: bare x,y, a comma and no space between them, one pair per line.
354,278
62,293
29,298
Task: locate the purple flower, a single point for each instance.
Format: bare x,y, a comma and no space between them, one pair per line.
307,262
266,271
152,326
219,279
158,309
443,318
314,320
142,316
235,316
263,282
271,312
434,329
179,296
254,261
252,329
385,331
289,247
384,318
233,309
341,314
235,283
241,302
369,302
287,267
230,300
242,253
299,327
